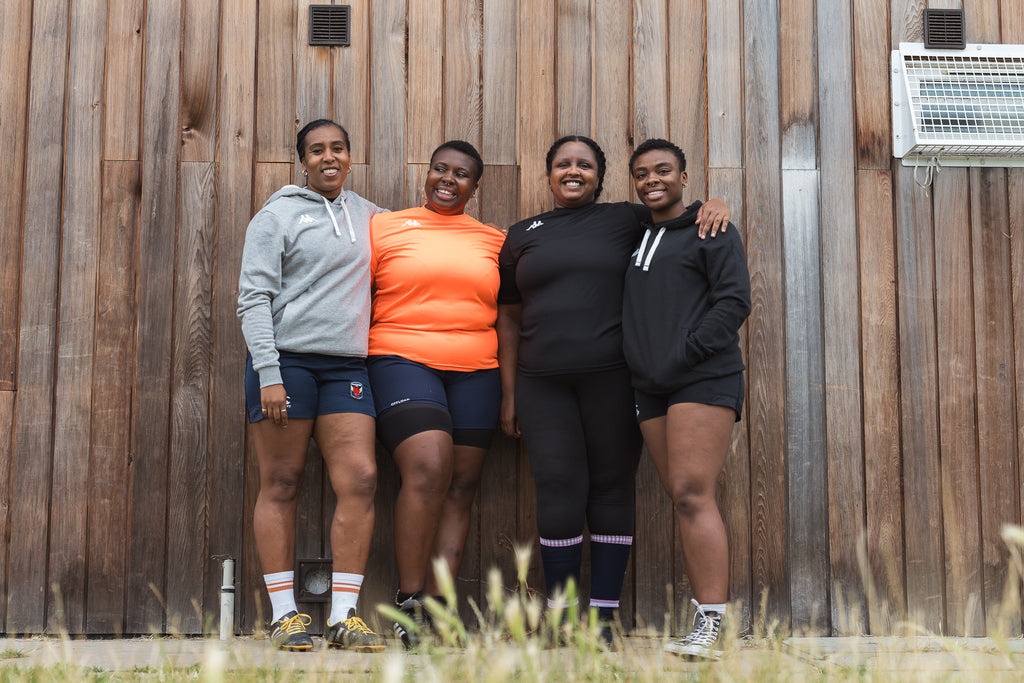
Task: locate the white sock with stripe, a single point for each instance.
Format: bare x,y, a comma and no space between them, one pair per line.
344,595
281,588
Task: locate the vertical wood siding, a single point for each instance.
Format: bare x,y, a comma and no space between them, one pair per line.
879,454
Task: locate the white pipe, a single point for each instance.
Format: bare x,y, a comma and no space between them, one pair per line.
227,600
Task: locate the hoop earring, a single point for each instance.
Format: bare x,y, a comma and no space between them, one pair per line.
472,204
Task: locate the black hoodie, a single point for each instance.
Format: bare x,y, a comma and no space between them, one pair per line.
684,303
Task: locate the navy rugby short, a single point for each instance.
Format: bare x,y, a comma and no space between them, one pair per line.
316,384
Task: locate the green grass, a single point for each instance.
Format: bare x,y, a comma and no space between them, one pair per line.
518,640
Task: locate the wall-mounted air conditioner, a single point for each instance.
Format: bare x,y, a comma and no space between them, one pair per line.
958,107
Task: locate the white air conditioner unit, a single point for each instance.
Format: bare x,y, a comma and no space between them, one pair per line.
959,107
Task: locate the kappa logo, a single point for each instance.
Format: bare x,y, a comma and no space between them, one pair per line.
412,223
535,224
306,218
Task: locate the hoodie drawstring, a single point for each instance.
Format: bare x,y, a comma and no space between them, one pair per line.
650,254
643,245
348,219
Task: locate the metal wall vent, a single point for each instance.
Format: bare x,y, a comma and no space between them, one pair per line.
944,29
329,25
958,107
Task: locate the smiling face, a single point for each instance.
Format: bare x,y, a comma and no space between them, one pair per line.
451,181
326,160
574,175
659,183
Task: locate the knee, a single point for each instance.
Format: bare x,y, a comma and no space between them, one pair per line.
428,477
463,490
690,498
359,482
281,486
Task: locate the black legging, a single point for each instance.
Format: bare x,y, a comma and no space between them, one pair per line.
584,446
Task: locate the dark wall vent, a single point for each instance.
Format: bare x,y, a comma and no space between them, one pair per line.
944,29
329,25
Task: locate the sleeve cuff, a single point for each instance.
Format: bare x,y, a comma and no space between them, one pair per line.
270,375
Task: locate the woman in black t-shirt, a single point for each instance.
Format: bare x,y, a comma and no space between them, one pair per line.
564,377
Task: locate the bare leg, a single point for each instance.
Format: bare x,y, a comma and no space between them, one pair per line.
425,463
281,453
346,441
453,526
689,447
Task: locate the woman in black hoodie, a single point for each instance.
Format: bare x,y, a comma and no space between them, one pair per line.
685,299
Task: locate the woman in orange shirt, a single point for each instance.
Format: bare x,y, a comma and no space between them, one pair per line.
433,364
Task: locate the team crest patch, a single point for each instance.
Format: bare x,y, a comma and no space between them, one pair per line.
356,389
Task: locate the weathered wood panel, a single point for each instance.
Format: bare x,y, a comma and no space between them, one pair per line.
15,35
80,238
1015,229
766,353
386,144
113,359
225,486
725,90
199,43
797,71
871,73
498,101
881,555
188,522
650,47
807,531
462,72
31,460
275,76
122,105
151,400
919,433
424,113
612,121
6,451
573,76
958,453
997,467
993,330
841,314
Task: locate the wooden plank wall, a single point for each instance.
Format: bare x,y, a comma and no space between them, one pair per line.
879,452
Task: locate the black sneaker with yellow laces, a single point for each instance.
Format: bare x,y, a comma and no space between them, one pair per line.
353,634
289,632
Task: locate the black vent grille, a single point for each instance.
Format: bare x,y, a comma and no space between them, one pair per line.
944,29
329,25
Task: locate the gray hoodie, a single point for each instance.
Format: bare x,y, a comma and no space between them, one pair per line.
305,281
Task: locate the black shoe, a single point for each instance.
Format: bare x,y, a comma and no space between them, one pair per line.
353,634
413,608
289,632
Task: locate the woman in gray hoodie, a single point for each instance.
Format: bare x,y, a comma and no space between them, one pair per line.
304,302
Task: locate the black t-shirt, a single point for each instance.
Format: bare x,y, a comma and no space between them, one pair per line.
566,267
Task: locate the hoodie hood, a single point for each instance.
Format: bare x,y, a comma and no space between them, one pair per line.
304,193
